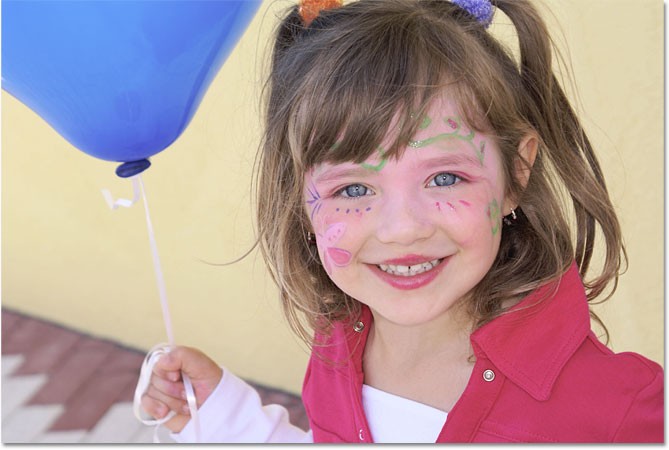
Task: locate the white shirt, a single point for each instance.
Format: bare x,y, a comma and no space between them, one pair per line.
393,419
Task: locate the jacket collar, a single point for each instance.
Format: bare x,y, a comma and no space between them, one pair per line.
532,343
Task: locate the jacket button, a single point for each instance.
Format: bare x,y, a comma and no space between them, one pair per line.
360,435
359,326
488,375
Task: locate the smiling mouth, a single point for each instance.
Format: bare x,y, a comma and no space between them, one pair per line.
408,271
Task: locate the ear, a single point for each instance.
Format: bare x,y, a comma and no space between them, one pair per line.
527,153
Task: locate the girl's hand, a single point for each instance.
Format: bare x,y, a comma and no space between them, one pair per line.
166,391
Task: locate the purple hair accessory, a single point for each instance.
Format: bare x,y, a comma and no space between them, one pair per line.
481,10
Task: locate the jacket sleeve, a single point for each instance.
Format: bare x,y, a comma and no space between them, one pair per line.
234,413
644,420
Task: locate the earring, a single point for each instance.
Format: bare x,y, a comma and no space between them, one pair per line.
513,218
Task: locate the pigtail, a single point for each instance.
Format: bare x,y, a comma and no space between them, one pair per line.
286,34
566,148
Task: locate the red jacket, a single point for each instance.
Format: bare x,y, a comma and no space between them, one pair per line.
540,375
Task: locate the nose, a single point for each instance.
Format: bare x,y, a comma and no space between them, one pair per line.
404,220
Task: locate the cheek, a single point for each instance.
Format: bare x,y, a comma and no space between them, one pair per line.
340,229
468,222
354,217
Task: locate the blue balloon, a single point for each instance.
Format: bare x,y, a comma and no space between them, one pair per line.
119,79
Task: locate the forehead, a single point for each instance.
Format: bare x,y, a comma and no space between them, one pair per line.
441,125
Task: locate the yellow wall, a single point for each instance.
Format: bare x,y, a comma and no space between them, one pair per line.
67,258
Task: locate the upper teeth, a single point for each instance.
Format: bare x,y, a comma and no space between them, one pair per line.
408,271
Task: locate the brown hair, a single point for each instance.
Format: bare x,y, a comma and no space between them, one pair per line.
343,79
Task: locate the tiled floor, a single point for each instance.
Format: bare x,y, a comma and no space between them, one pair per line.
59,386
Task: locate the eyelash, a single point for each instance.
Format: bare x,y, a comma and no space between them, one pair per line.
458,179
338,193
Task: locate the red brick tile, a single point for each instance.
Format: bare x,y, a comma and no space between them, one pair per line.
298,417
292,403
88,375
125,360
92,401
9,321
84,360
128,394
56,346
24,338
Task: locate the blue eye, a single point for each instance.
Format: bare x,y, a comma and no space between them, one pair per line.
444,179
355,190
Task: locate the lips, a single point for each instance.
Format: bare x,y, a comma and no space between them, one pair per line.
408,281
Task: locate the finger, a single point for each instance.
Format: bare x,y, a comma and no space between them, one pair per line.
166,374
154,407
159,410
174,404
169,388
190,360
172,361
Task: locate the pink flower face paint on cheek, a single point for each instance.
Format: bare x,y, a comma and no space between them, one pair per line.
326,241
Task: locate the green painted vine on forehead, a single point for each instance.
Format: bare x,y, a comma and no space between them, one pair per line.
453,122
380,165
426,122
376,167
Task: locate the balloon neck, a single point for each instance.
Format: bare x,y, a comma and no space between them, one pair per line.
132,168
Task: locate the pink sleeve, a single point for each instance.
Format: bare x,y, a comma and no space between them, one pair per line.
644,421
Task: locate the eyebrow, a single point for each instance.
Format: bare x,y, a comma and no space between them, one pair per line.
448,159
453,159
347,172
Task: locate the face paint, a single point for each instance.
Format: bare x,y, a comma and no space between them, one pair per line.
325,242
454,123
378,166
493,214
396,219
315,200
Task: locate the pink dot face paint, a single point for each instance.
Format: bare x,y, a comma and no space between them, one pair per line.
414,237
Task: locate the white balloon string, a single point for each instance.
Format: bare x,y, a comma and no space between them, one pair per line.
145,379
192,405
122,201
159,350
157,267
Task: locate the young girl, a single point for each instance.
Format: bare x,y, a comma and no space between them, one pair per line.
428,208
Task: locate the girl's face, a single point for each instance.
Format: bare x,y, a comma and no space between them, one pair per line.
409,238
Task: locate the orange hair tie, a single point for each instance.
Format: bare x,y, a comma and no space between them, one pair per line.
309,9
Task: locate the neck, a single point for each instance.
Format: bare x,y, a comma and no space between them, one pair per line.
446,338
